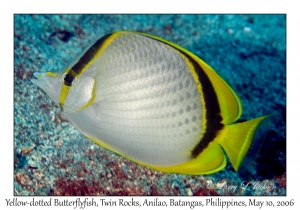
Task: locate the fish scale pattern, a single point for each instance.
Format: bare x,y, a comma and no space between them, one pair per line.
147,106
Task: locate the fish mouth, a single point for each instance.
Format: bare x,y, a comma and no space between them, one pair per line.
39,81
37,75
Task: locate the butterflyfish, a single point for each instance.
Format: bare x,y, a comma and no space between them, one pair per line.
154,103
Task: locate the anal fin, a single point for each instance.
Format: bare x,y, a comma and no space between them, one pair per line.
210,160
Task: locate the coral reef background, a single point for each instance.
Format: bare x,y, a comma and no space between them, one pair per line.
52,158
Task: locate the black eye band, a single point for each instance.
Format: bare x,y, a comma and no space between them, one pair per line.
69,79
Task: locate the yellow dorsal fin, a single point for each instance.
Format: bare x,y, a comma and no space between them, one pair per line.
230,104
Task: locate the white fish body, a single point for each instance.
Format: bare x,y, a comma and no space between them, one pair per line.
141,97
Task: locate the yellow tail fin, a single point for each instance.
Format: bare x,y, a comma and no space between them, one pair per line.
242,141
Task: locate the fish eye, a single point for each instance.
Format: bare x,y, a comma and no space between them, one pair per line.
69,79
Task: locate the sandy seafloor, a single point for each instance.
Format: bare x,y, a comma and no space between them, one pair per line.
52,158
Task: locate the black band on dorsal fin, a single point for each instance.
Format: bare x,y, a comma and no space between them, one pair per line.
213,111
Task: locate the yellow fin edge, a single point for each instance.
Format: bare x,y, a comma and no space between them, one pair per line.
211,160
230,104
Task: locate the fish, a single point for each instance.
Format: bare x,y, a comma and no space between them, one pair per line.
155,103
